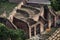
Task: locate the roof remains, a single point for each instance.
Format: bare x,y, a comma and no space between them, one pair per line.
39,1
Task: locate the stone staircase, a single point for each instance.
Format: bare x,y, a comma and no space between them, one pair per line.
55,35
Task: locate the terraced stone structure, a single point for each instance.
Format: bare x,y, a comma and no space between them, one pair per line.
34,18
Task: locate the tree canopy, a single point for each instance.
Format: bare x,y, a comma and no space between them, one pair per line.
55,4
7,34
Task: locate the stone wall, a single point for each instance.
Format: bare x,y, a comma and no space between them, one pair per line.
7,23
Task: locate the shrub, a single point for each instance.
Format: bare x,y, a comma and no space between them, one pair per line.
3,32
17,34
6,34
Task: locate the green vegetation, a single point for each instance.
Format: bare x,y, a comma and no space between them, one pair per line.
3,0
7,34
6,6
55,4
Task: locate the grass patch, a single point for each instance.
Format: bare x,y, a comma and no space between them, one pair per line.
8,7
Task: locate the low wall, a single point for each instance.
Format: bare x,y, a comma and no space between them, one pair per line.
7,23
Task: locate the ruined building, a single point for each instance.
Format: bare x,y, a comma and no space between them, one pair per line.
34,17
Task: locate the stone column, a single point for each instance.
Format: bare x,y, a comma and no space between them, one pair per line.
54,21
41,27
29,32
42,11
49,24
35,31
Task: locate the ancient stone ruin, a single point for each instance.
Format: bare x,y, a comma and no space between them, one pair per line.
33,19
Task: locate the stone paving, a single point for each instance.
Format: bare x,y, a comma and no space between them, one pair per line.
55,35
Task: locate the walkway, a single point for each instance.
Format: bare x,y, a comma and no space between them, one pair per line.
55,35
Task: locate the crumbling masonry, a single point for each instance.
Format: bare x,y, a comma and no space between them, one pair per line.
33,19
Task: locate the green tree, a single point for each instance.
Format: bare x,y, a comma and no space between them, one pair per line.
3,32
17,34
3,0
0,2
7,34
55,4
